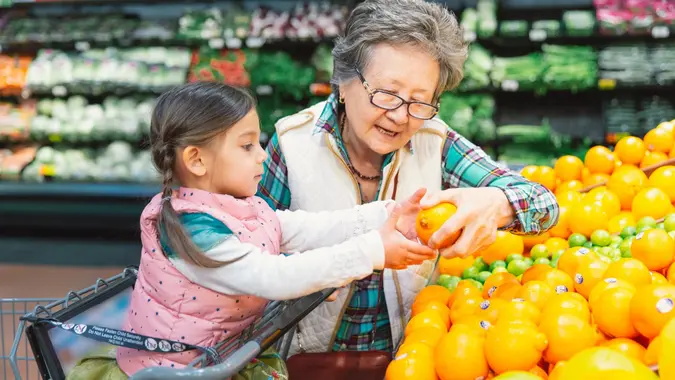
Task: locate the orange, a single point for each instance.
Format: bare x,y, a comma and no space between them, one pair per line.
537,292
546,176
518,310
505,244
570,259
556,244
654,247
496,280
460,355
606,199
651,308
589,273
454,266
603,363
596,179
437,306
466,306
474,322
607,283
631,270
573,185
538,371
531,240
627,347
568,304
611,313
490,312
667,357
658,278
588,217
431,219
426,335
557,279
664,179
568,197
599,159
630,150
659,140
514,346
417,363
620,221
562,228
532,272
670,274
529,172
626,182
668,126
506,292
465,288
434,293
428,318
651,201
653,351
567,335
568,168
653,158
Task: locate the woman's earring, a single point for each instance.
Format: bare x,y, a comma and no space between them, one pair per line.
342,99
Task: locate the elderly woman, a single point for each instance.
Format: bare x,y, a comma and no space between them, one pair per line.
377,137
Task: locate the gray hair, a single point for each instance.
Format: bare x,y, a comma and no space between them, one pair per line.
427,26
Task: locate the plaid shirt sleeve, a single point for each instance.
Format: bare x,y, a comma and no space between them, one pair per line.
274,187
466,165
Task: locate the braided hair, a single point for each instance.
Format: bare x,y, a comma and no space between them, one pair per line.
191,114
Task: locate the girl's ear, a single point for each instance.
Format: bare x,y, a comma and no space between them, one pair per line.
193,160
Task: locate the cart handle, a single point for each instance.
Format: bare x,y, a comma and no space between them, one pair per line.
264,338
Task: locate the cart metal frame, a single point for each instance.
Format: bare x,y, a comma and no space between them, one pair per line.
275,328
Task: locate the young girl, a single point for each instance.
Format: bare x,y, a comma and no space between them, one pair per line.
211,249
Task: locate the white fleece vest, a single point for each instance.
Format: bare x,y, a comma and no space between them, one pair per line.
319,180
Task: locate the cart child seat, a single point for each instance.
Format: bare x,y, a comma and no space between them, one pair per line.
89,321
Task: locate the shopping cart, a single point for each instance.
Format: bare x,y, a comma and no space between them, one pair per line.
55,351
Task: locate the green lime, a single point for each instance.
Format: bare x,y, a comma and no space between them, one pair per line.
476,284
482,276
644,228
542,260
671,234
647,221
660,226
616,240
499,270
624,248
538,251
444,280
480,264
513,256
517,267
601,238
453,283
470,273
669,222
588,244
554,263
557,254
497,264
628,231
577,240
528,261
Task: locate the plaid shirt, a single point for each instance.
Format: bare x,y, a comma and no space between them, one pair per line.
464,165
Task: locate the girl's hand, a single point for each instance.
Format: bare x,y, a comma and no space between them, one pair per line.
398,250
407,221
480,212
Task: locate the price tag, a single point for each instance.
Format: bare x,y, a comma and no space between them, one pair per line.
469,35
233,43
47,170
607,84
537,35
660,31
255,42
82,46
264,90
216,43
59,91
510,85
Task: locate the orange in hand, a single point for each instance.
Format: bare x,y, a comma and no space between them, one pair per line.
430,220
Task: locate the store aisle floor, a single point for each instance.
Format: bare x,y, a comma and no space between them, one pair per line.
35,281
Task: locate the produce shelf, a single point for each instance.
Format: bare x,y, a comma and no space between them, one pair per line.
23,190
535,39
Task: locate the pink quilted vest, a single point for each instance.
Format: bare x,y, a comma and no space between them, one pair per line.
167,305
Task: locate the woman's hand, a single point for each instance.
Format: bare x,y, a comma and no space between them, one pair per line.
480,212
407,219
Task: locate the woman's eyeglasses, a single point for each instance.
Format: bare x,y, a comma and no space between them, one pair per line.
388,101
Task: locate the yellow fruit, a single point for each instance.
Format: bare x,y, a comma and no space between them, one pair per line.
466,306
653,351
606,199
416,363
599,159
568,197
652,202
536,292
567,335
627,347
426,335
651,308
659,140
654,247
556,244
433,293
514,346
495,281
620,221
573,185
529,172
611,313
607,283
666,357
626,182
652,159
428,318
437,306
546,176
519,309
505,244
630,150
454,266
630,270
589,273
460,355
567,304
431,219
517,375
568,168
588,217
658,278
598,363
562,228
664,178
572,257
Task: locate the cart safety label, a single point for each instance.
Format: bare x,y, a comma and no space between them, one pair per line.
131,340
